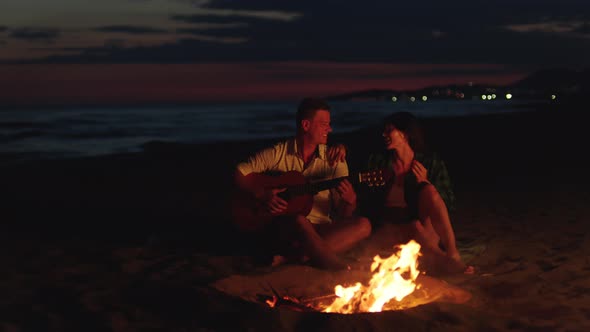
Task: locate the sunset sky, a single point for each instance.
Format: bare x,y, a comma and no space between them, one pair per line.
128,51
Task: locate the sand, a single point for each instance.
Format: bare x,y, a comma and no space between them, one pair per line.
142,242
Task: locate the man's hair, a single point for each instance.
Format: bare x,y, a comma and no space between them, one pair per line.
308,108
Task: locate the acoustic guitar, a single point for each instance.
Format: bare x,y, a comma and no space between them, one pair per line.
249,214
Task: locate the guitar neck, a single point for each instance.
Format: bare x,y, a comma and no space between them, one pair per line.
370,178
327,184
315,187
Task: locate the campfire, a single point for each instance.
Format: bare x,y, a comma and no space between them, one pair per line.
393,279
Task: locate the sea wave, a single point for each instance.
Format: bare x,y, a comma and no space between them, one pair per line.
48,133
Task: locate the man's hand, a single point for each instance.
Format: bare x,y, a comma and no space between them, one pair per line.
419,171
274,204
336,153
346,191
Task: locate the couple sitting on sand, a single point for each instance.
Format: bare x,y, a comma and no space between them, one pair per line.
318,219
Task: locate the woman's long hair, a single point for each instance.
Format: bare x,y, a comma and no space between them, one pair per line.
407,123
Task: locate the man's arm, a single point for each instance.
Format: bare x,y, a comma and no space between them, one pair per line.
247,172
247,178
346,201
344,195
248,183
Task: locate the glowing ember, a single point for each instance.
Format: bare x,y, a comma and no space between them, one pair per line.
394,279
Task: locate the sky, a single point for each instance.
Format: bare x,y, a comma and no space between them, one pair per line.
134,51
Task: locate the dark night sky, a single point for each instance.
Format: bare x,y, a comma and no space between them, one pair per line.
181,50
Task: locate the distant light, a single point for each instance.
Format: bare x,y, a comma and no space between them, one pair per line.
470,83
553,97
412,98
489,97
394,99
424,98
508,96
493,96
484,97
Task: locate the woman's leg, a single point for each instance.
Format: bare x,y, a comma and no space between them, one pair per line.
432,207
435,221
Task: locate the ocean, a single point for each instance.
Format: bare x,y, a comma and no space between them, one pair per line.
37,134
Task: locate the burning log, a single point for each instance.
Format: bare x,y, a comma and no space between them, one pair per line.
282,301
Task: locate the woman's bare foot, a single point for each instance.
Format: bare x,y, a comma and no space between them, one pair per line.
457,265
470,269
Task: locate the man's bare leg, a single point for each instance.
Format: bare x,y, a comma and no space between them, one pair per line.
316,247
346,233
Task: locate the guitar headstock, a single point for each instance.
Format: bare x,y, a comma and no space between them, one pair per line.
375,178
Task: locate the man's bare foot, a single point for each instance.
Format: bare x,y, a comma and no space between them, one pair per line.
330,263
278,260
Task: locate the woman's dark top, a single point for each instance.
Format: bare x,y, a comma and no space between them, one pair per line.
372,199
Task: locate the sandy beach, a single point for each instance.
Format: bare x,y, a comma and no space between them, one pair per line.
143,242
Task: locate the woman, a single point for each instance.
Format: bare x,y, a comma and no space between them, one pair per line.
410,206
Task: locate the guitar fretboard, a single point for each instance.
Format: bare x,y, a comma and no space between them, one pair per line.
372,178
315,187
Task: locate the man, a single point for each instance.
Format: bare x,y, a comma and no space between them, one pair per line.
330,227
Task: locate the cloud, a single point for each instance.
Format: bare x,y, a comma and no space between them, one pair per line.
129,29
197,33
583,29
195,3
546,27
114,43
437,33
35,34
461,31
199,27
272,15
214,39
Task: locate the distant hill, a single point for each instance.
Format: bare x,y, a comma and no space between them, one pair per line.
556,79
373,94
566,82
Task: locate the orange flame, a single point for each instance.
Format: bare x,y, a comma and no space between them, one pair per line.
394,279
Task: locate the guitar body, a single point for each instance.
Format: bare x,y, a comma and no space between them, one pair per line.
251,215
